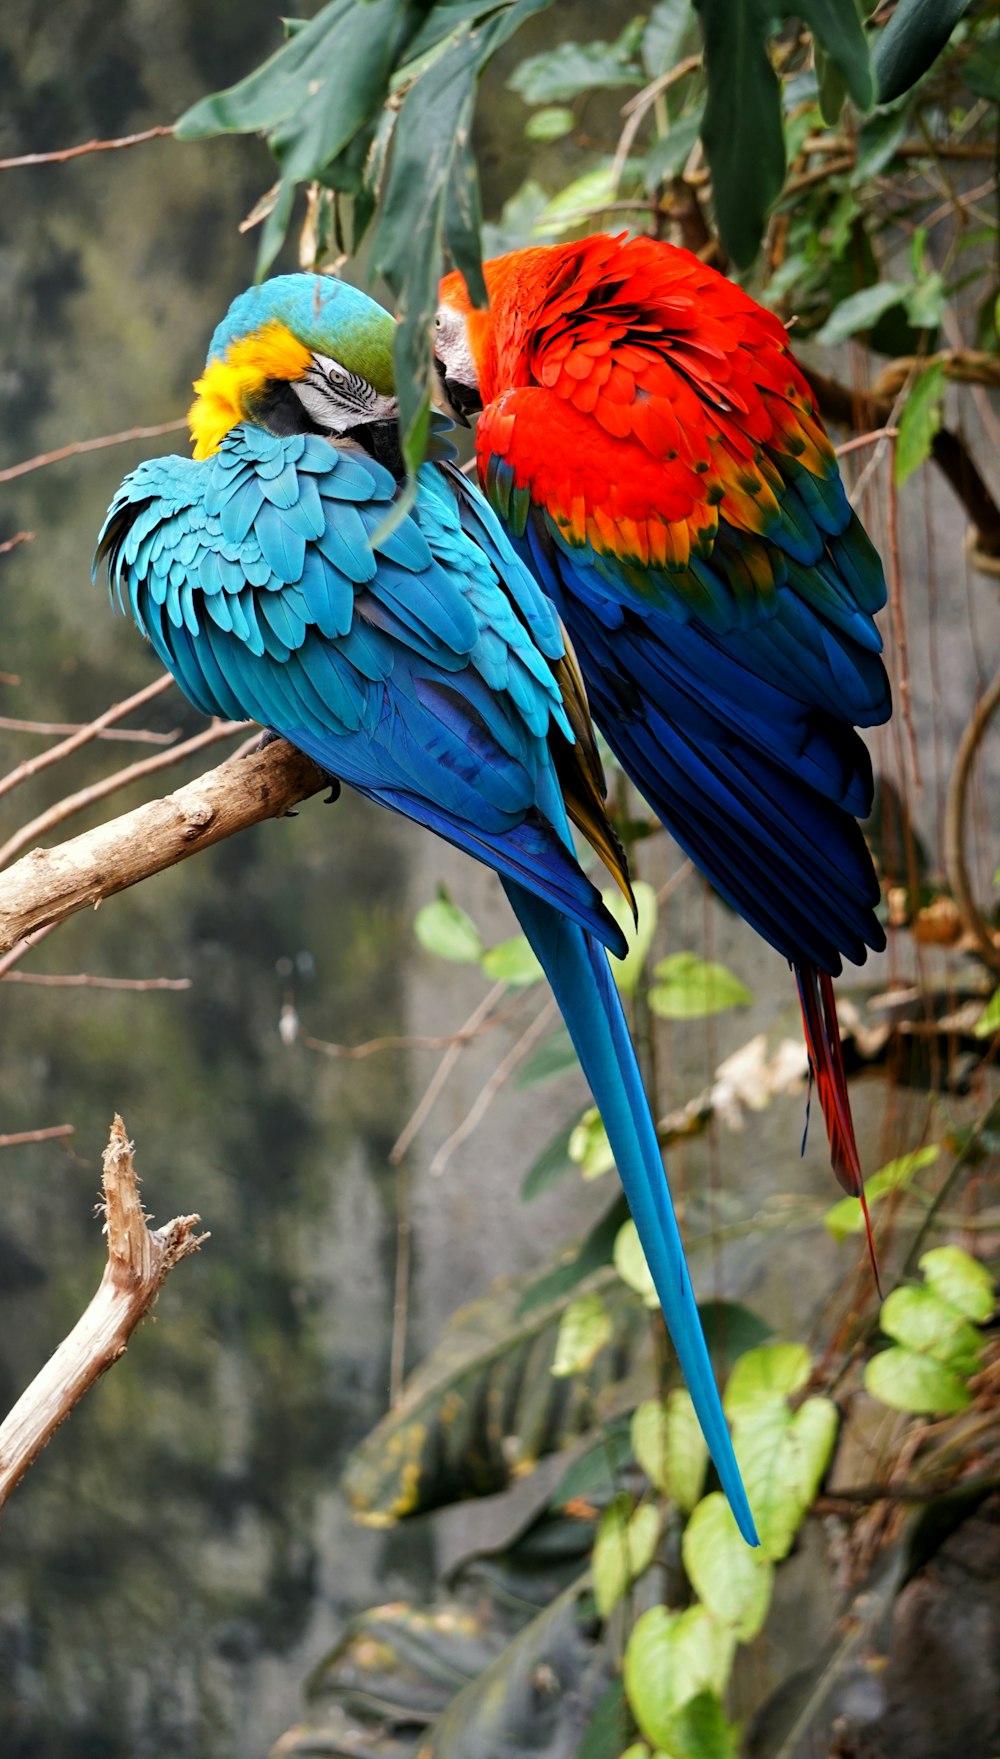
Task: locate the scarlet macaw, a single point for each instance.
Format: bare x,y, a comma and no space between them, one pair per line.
657,456
423,667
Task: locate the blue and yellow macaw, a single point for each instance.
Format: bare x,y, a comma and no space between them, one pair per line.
425,668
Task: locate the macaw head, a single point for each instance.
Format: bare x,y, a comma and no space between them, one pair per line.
458,329
299,354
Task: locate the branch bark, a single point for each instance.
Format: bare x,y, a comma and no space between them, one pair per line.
139,1261
50,885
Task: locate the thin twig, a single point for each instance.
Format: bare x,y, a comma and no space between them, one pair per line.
499,1078
125,735
984,1127
17,953
139,1261
51,1133
50,885
85,980
443,1070
77,446
20,537
74,803
861,440
160,132
899,621
33,766
636,109
955,823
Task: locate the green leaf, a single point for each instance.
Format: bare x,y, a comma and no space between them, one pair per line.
630,1263
668,156
774,1370
989,1020
907,1382
861,311
699,1730
670,1658
596,1472
832,90
552,1165
589,1148
639,934
782,1459
669,22
585,1328
575,205
731,1578
912,41
742,130
512,962
845,1217
593,1253
603,1735
689,988
559,74
552,123
312,98
925,302
922,1320
961,1281
445,929
920,421
623,1550
483,1407
669,1446
730,1331
838,31
503,1710
554,1056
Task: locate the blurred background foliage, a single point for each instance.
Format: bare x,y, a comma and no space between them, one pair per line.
183,1552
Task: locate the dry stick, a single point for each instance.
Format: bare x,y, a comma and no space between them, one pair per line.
49,730
50,885
443,1070
33,766
139,1261
954,826
26,945
84,980
500,1076
20,537
77,446
51,1133
74,803
59,157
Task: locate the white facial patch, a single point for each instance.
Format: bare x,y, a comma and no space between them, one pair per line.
451,345
338,400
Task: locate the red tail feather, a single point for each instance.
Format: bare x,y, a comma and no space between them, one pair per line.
819,1019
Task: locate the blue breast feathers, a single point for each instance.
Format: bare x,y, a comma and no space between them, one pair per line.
414,666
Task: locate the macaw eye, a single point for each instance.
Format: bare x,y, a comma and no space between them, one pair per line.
438,322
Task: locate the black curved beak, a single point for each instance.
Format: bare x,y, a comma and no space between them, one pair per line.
463,400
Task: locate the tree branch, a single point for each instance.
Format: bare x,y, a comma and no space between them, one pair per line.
50,885
864,409
139,1261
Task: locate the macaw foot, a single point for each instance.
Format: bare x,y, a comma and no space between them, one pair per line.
267,738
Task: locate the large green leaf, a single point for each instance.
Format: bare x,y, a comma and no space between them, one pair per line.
672,1657
668,25
506,1711
742,128
908,1382
928,1324
689,988
624,1548
311,98
557,75
839,35
448,931
669,1445
733,1579
912,41
961,1281
484,1406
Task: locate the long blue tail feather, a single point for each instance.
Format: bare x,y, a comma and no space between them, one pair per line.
578,971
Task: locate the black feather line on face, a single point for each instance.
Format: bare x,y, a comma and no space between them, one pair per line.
279,410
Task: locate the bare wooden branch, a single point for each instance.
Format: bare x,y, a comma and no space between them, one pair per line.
78,736
51,1133
139,1261
75,447
61,154
70,804
20,537
50,885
